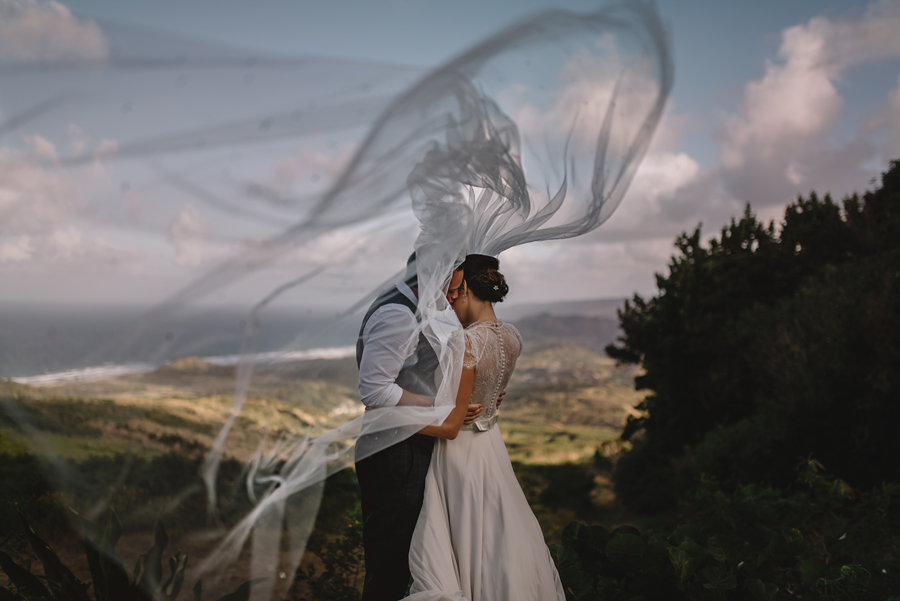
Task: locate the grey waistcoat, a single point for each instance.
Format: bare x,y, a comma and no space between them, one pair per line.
417,374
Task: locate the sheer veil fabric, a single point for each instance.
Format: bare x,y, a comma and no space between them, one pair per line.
534,134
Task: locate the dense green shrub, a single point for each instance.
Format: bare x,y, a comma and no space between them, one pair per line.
27,490
336,540
816,542
343,563
562,486
109,579
766,346
140,489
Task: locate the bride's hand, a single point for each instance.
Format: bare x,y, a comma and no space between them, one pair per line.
473,413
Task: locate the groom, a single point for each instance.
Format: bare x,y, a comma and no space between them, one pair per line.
395,369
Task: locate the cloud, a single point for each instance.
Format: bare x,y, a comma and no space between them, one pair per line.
34,195
669,194
786,138
892,148
187,233
655,191
571,271
76,138
69,246
17,249
41,202
782,141
592,82
105,150
305,170
38,30
42,150
66,247
332,246
886,122
134,202
797,97
663,198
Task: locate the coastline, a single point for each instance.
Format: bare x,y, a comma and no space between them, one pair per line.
109,370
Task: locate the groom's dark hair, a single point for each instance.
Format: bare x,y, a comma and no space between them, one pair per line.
411,277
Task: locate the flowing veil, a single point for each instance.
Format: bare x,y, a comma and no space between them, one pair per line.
532,135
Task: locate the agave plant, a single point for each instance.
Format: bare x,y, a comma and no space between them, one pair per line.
109,579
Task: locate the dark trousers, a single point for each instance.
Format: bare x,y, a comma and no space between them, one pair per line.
392,486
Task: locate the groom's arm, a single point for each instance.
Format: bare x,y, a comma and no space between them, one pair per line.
387,344
388,338
408,398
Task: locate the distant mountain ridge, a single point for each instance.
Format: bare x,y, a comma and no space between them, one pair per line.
587,331
599,307
590,323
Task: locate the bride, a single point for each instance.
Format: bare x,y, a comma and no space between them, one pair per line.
477,539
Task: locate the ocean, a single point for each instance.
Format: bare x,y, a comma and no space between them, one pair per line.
47,344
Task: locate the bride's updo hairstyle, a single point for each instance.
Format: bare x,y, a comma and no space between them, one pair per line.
483,278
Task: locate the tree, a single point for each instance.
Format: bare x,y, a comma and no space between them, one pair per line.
766,345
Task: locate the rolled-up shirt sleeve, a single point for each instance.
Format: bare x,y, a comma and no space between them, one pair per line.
389,338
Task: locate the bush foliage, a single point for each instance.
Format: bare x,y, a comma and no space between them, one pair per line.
109,578
766,346
763,349
817,542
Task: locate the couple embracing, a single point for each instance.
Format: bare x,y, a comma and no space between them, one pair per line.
444,505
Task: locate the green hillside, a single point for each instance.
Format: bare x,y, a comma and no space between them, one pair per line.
135,442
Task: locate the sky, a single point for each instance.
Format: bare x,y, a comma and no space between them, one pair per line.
771,100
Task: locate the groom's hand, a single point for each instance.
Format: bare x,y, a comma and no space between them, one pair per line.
472,413
500,398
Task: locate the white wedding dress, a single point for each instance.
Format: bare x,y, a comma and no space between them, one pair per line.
477,539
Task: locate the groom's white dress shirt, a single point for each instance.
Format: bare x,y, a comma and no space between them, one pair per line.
389,338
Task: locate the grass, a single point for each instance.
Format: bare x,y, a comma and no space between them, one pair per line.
80,448
13,444
564,403
548,444
173,420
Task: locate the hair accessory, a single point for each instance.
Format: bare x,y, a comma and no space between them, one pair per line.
496,287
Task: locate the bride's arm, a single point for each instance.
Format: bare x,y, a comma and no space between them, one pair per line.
415,400
412,399
450,428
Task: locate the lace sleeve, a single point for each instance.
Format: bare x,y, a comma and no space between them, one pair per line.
473,350
517,337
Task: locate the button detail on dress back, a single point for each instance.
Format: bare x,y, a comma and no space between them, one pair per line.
494,361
